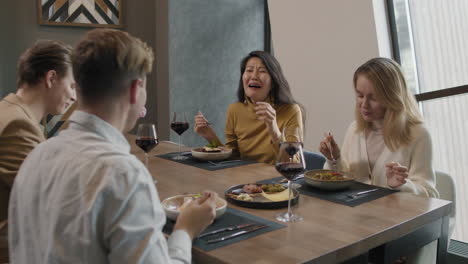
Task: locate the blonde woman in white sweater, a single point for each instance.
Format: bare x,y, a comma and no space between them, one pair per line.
387,145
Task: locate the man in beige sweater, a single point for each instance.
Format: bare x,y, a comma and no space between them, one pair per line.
45,86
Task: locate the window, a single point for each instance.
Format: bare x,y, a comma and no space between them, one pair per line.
430,40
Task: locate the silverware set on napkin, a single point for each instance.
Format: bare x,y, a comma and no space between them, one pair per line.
247,228
220,163
357,195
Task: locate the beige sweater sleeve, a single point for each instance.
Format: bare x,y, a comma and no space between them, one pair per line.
417,156
421,177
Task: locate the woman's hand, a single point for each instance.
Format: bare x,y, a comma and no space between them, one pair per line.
329,148
396,174
203,128
266,113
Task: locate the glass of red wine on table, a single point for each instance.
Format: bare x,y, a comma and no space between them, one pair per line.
290,163
179,124
146,139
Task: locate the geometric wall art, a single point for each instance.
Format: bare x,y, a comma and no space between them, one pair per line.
81,13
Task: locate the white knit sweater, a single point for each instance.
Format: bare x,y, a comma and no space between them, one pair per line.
416,156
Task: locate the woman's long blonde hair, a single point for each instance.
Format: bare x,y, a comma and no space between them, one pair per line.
391,91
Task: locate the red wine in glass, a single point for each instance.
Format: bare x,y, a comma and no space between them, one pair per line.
179,127
179,124
147,143
290,163
146,139
289,170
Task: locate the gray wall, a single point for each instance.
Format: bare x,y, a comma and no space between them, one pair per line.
198,47
207,40
19,30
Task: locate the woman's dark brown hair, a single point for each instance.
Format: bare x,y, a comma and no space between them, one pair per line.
43,56
280,92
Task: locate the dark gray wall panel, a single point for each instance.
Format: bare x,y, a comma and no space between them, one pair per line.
207,40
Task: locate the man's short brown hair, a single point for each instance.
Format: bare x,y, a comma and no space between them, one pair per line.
43,56
105,61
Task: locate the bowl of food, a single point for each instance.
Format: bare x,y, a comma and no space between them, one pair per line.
328,179
211,152
175,204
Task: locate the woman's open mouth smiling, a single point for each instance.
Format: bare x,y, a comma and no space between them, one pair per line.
255,86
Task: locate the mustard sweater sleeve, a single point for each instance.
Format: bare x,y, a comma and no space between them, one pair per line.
293,119
249,137
230,133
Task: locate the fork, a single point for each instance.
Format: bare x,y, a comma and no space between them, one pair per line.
329,146
222,162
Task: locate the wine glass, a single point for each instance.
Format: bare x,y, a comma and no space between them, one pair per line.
290,163
293,134
179,124
146,139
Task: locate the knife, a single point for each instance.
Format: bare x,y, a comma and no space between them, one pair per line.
356,195
231,228
240,233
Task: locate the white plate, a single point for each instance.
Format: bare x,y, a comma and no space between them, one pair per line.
171,206
211,156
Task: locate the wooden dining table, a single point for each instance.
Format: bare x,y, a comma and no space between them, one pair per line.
380,230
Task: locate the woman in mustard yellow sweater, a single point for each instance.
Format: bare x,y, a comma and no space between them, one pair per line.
265,107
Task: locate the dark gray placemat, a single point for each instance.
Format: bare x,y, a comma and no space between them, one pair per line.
191,161
341,195
232,217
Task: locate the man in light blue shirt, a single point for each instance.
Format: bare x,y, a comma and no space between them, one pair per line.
81,197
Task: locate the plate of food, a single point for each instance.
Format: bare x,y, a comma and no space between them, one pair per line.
260,196
211,152
175,204
329,179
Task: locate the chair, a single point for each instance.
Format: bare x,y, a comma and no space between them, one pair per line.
4,258
313,160
54,125
446,188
